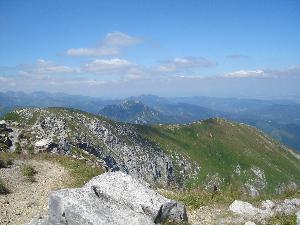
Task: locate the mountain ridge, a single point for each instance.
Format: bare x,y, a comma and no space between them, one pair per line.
207,153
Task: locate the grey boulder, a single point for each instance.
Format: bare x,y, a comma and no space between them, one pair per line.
113,198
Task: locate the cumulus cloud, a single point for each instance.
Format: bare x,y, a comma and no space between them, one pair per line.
44,67
111,45
120,39
186,63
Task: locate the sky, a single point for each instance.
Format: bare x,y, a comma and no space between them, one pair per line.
245,49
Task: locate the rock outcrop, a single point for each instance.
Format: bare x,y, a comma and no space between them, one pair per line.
113,198
268,209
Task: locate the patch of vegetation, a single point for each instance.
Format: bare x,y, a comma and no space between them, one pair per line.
30,149
219,146
13,116
195,198
18,149
28,171
283,220
6,159
80,171
3,189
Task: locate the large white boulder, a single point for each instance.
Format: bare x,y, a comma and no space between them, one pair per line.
244,208
113,198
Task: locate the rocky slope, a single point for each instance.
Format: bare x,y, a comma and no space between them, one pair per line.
117,145
214,153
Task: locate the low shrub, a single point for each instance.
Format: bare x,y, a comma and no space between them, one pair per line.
6,160
3,188
28,171
18,149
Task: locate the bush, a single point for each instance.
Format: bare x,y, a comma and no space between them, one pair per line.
5,160
28,171
3,189
30,149
18,149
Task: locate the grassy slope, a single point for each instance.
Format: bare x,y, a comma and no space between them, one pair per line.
219,146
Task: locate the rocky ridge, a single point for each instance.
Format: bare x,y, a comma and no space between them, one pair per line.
117,146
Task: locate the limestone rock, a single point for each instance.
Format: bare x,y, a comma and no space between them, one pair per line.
113,198
244,208
250,223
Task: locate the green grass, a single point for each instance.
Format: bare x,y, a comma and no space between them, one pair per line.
18,149
197,197
28,171
13,116
283,220
219,146
80,171
3,189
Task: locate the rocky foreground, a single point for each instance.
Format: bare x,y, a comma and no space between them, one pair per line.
113,198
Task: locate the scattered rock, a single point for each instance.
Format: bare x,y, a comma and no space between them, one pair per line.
267,205
250,223
298,217
268,209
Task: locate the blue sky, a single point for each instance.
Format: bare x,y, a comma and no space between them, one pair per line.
173,48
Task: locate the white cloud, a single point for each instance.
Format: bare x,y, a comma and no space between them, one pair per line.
110,46
107,65
93,51
266,73
43,67
89,82
180,64
246,73
120,39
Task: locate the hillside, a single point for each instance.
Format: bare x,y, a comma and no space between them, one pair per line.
229,153
213,153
